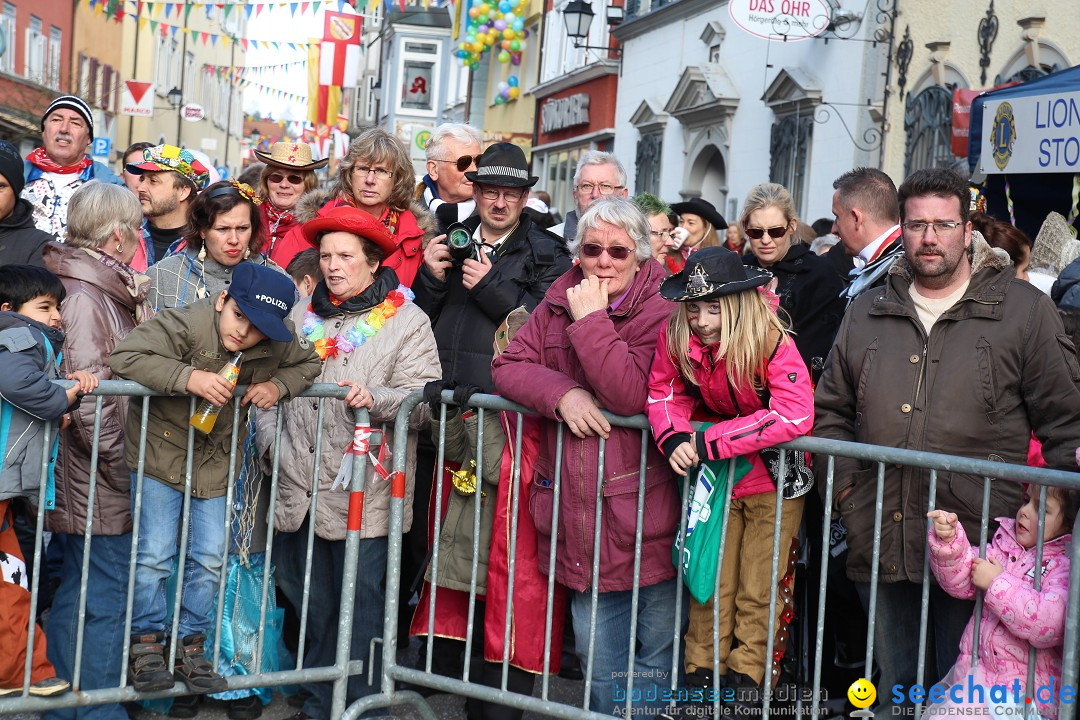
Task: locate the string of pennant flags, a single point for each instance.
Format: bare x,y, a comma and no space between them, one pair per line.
115,9
245,70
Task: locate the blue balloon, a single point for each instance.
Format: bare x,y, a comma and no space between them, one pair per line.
512,81
518,25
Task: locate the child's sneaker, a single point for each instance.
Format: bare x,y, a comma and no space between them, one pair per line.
193,669
147,670
50,686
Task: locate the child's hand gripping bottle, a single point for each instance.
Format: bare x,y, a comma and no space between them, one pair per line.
207,413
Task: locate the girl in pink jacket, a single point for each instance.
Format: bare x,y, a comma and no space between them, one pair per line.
1016,617
724,355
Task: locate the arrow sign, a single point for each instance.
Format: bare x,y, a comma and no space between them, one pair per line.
138,99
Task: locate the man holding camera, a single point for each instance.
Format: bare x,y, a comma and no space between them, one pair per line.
505,261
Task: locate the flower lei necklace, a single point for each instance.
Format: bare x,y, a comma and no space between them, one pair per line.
329,347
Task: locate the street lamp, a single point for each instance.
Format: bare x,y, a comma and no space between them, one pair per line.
175,97
578,15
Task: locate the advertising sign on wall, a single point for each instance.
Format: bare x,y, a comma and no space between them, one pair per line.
1033,134
781,20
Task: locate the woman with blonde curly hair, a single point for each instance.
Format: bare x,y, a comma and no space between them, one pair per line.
377,177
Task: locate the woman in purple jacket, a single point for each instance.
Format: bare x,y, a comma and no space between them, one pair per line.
587,346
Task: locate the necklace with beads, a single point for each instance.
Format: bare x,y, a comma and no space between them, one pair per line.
329,347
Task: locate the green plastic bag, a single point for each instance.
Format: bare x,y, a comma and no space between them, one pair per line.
699,555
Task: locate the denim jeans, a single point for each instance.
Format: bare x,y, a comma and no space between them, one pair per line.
324,602
159,525
103,637
896,635
611,655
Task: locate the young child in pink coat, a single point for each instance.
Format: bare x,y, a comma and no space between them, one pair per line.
1016,617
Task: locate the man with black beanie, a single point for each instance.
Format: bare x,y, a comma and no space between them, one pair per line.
20,242
58,168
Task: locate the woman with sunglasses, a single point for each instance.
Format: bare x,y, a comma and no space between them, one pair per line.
377,177
808,287
289,173
589,345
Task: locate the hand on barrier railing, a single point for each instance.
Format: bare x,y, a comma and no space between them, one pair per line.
433,392
463,393
582,415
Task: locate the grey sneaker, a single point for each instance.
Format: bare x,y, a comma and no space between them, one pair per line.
50,686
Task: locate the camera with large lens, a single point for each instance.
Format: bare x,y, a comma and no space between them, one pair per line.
462,246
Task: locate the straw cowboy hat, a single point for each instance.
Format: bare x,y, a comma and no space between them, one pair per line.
291,155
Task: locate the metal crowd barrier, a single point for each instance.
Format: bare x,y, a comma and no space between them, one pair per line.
824,451
394,672
338,673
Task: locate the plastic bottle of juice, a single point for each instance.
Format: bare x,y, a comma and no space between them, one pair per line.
207,413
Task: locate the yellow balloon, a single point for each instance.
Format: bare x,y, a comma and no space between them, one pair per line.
509,34
485,9
514,93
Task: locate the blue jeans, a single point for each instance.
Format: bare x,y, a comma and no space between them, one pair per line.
369,597
611,655
103,636
159,525
897,653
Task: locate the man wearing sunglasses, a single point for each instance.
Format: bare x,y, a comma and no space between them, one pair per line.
598,174
452,151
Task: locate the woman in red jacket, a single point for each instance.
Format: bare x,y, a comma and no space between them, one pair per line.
725,340
377,177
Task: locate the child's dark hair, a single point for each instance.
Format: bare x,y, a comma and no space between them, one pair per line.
305,263
1069,498
19,284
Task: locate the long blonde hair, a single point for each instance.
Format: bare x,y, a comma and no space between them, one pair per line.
749,333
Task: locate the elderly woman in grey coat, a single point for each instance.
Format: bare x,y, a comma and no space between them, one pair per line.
373,340
224,229
105,300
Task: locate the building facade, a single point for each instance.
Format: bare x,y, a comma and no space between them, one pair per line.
35,65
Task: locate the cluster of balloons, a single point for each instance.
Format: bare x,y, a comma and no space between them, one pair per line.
493,25
508,90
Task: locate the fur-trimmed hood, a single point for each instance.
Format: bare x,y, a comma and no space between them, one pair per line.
984,257
311,202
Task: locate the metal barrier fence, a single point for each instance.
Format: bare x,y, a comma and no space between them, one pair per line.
824,451
338,673
394,672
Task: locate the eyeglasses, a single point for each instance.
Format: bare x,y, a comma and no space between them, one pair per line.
604,188
774,232
615,252
508,195
293,179
464,162
381,173
917,227
660,233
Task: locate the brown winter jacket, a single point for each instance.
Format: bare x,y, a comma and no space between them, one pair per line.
161,354
98,312
995,367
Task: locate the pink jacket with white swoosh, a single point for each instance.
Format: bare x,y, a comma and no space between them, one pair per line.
746,425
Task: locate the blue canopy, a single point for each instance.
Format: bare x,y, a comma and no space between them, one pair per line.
1067,80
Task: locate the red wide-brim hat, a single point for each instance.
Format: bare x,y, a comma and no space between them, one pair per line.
351,220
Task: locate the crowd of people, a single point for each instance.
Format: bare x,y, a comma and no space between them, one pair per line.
905,321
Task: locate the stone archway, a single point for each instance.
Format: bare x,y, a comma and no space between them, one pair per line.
707,177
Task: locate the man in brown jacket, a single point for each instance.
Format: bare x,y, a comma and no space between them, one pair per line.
952,355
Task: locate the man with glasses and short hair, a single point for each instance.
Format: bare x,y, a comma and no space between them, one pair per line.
952,355
446,191
599,174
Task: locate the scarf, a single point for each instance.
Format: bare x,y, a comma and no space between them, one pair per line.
138,285
277,216
325,305
38,157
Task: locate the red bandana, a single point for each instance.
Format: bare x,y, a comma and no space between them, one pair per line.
38,157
